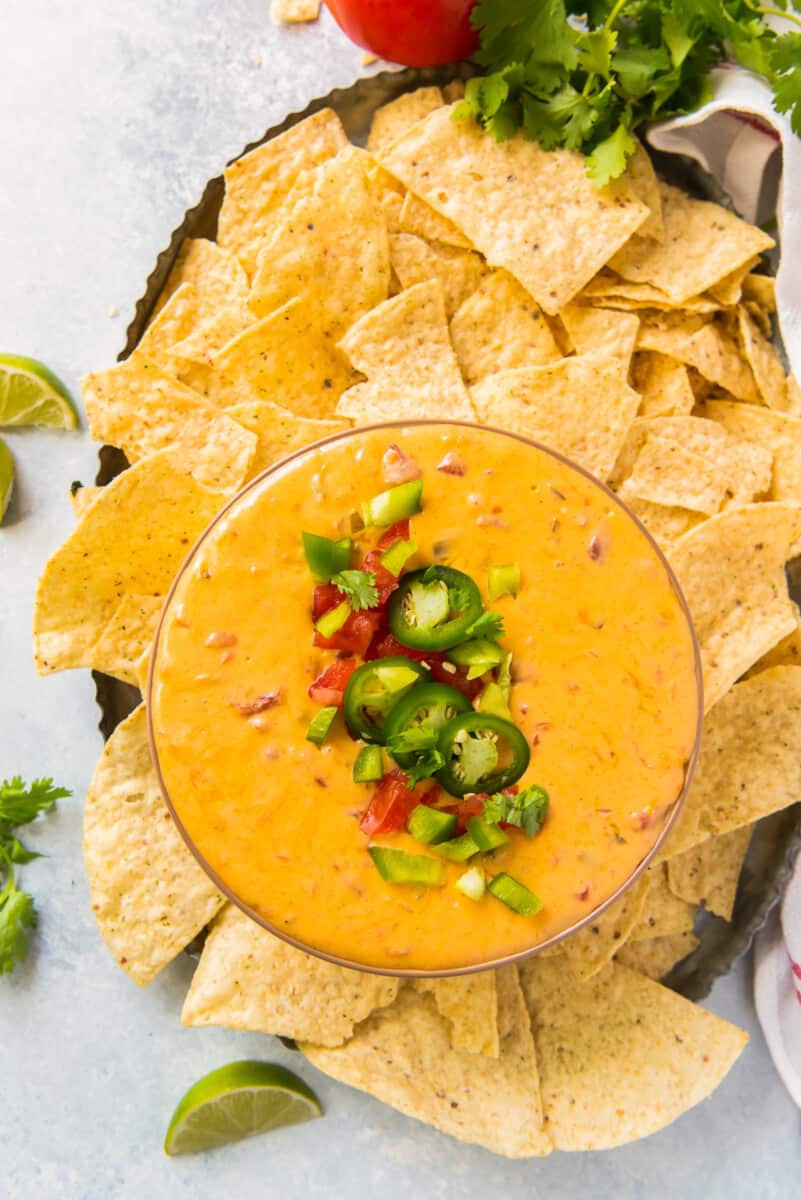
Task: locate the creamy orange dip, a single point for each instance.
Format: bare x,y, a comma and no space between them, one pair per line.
604,689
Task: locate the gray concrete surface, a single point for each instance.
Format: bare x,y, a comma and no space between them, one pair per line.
112,116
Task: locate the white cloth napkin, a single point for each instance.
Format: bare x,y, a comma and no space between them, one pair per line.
777,985
755,156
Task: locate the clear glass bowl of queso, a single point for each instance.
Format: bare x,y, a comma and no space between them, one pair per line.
603,683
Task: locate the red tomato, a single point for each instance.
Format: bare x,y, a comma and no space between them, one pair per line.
329,688
399,532
417,33
355,635
455,679
384,645
391,804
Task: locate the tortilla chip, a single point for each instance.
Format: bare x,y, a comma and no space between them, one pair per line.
421,219
404,349
416,261
761,290
613,292
764,361
403,1056
249,979
330,250
469,1003
620,1056
392,120
453,91
729,289
149,895
174,320
731,570
709,873
283,359
499,328
706,345
82,497
702,243
663,384
601,331
596,944
777,433
128,635
291,11
667,473
132,539
279,431
785,653
532,211
663,913
215,274
581,407
642,179
745,771
665,524
257,183
654,957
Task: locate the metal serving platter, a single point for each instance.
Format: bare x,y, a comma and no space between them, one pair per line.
778,838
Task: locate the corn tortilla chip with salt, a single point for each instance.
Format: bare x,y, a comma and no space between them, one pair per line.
174,321
601,331
131,540
777,433
665,524
402,1055
82,497
609,289
663,384
580,406
702,243
283,359
421,219
667,473
249,979
708,874
215,274
469,1003
280,432
654,957
392,120
138,408
149,895
295,11
764,361
642,179
663,912
128,635
257,183
749,766
729,289
531,211
589,950
620,1056
731,570
706,345
404,349
785,653
330,250
761,290
499,328
416,261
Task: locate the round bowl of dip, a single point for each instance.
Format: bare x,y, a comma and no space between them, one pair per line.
348,559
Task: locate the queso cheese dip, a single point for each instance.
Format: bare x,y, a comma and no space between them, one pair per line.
582,646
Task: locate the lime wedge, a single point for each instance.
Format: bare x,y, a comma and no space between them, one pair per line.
6,478
30,394
239,1101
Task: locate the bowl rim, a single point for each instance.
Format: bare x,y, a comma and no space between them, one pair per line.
519,955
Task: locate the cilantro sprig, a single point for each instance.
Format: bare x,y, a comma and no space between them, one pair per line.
526,810
359,587
19,805
586,74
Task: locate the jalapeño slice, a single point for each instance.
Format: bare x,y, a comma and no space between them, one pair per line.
426,705
374,689
433,608
482,752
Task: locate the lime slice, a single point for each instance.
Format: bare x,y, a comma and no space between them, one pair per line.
239,1101
6,478
30,394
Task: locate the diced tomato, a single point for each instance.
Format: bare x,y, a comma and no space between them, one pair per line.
399,532
355,635
470,806
392,803
384,645
385,581
456,679
326,597
329,688
398,467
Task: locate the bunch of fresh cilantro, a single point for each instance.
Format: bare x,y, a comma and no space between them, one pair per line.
585,74
19,805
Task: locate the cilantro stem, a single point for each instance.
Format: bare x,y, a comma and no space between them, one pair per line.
777,12
614,14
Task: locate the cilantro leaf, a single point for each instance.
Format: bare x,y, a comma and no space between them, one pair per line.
489,625
15,850
17,917
424,766
20,804
608,159
409,741
526,810
359,587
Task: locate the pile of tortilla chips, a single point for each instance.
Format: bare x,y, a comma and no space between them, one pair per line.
438,273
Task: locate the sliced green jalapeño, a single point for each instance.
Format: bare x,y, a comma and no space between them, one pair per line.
427,706
374,689
396,866
325,556
482,752
433,608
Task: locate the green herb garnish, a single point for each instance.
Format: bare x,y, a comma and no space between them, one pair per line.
586,76
19,805
359,587
526,810
489,625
